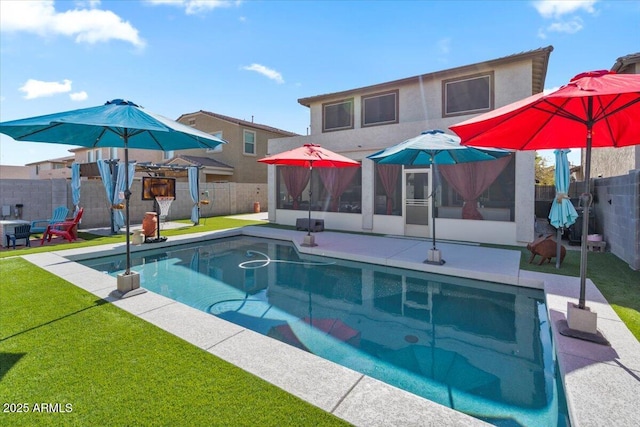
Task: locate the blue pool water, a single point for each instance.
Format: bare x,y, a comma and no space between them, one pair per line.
481,348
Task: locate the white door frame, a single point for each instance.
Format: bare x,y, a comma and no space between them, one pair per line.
417,212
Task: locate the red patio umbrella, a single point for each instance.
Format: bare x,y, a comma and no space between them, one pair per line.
595,109
310,156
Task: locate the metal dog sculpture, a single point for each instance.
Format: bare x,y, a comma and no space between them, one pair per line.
546,247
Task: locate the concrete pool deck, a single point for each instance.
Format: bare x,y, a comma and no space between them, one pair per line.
602,383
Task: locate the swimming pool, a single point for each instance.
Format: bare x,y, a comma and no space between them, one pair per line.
481,348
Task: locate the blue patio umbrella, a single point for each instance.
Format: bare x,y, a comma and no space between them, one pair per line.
562,213
117,123
75,185
434,147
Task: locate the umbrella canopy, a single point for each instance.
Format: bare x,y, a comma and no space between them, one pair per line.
562,213
117,123
434,147
310,156
595,109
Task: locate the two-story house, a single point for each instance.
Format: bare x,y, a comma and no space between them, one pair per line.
233,162
361,121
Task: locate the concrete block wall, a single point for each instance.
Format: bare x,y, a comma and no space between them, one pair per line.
40,197
618,215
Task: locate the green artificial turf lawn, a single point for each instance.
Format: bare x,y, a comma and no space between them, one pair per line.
207,224
106,367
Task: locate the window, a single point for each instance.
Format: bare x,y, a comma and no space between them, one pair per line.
337,115
469,95
167,155
218,148
37,169
340,192
249,142
380,109
98,154
192,122
113,153
90,158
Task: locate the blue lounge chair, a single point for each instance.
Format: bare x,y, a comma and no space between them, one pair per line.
40,225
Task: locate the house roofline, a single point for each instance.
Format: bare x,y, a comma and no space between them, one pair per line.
241,122
624,61
541,55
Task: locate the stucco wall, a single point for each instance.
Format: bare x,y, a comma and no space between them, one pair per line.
420,108
618,215
40,197
608,162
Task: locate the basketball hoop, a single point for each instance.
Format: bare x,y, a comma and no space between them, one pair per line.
164,202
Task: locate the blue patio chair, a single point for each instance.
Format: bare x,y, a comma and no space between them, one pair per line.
39,226
20,232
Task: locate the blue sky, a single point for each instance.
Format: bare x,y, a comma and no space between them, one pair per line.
255,59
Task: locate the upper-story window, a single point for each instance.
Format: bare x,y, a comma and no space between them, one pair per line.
98,154
90,158
249,142
192,122
167,155
337,115
218,148
113,152
467,95
380,109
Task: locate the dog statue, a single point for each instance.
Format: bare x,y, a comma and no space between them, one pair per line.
546,247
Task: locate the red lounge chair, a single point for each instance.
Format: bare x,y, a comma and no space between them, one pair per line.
66,229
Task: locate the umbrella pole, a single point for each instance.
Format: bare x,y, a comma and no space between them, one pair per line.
558,246
129,282
127,196
310,176
586,198
433,204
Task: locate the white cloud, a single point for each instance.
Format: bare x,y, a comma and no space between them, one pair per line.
558,8
38,89
193,7
86,25
267,72
444,45
571,26
78,96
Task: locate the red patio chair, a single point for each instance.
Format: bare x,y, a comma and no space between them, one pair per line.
66,229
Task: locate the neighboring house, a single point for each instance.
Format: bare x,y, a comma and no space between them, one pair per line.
14,172
233,162
51,169
608,162
213,170
247,142
393,200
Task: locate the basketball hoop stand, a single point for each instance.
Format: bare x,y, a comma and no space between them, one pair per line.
163,203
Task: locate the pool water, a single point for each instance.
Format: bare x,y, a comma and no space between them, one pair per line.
481,348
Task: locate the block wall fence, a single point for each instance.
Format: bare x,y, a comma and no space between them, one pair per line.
40,197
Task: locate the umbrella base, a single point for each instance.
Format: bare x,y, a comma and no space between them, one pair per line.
434,257
156,239
309,241
128,286
564,329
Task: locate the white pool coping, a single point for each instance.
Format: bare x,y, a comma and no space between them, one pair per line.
602,384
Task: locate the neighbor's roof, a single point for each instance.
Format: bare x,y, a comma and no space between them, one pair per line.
201,161
540,58
241,122
624,63
66,159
